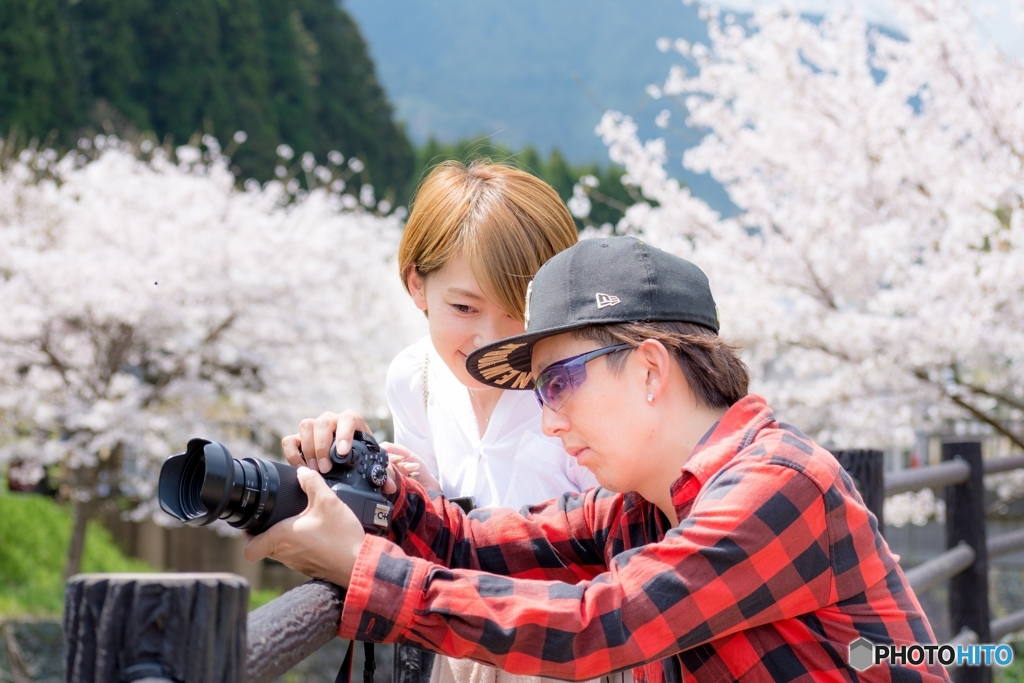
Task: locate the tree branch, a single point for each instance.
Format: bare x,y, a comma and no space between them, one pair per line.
609,201
973,410
982,391
993,121
219,330
55,363
118,337
987,420
16,660
819,290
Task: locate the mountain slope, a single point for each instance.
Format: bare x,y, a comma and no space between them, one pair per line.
284,71
527,71
532,72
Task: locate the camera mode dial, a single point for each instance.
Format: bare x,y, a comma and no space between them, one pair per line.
377,475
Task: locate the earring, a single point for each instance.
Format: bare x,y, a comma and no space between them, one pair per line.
650,398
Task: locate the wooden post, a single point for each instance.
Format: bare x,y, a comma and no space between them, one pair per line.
132,627
867,468
965,521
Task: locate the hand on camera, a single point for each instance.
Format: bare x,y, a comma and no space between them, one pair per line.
410,465
322,542
311,446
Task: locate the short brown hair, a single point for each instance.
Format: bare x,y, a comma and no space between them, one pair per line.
506,223
717,376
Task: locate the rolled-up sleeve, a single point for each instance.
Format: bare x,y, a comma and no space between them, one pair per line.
386,588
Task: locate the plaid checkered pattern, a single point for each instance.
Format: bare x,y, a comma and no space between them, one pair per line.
775,567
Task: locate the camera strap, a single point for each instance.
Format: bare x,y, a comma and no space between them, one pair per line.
368,664
345,672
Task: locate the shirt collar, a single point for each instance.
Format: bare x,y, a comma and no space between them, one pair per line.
733,432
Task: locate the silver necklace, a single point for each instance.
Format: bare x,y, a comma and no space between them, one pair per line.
476,404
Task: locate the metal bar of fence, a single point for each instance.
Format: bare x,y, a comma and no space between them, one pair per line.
290,628
940,568
1004,464
946,474
1006,625
965,637
1007,543
934,476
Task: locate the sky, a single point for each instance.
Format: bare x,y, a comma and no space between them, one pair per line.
996,18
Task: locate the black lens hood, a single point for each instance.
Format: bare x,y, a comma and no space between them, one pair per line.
169,484
214,488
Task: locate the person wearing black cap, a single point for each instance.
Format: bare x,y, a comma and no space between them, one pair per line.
721,545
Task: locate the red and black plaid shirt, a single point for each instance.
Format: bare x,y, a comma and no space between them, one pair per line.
775,567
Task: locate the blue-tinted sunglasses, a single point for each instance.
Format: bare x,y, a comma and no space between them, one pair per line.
557,381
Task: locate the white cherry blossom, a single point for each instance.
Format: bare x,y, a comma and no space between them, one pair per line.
145,302
875,272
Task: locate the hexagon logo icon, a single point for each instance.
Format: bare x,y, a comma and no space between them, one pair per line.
862,654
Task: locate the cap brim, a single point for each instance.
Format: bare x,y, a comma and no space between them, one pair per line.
506,364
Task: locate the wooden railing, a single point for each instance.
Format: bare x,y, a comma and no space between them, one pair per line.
965,562
188,627
287,630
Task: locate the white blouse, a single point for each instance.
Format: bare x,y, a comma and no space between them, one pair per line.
513,465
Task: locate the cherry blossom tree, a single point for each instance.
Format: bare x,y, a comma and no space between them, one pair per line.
875,271
146,300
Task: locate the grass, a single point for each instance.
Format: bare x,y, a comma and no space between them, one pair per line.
258,598
1014,673
34,536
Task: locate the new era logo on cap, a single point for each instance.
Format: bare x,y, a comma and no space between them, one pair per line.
606,300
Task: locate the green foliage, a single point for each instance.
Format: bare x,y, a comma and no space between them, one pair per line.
34,540
262,596
609,199
1014,673
283,71
350,105
35,68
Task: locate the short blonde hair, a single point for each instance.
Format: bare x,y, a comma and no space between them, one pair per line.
505,222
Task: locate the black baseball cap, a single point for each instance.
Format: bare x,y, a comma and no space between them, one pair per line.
599,281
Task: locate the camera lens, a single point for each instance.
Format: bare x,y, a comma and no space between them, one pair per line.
192,486
205,483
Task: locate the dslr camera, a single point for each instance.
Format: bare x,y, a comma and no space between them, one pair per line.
205,484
